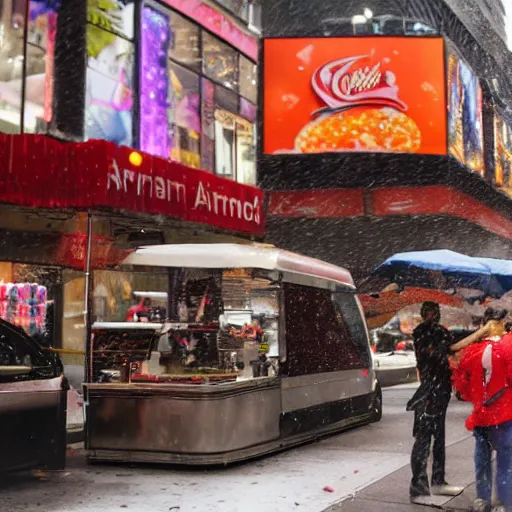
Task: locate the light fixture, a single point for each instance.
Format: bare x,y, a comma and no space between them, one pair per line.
135,158
359,19
368,14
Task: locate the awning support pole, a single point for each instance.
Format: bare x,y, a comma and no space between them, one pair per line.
88,301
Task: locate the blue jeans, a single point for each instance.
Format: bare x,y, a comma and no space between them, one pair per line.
487,439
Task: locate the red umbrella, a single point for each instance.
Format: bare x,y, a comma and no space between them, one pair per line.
388,303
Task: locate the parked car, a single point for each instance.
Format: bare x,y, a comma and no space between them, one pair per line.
33,402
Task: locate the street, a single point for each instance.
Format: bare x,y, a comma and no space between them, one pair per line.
291,481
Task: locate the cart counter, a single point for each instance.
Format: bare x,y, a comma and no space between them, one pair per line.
148,422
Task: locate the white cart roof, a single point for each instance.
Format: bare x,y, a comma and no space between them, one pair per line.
237,256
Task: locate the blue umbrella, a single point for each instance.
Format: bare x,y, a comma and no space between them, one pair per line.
445,269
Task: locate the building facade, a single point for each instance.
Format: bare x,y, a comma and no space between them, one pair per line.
386,128
138,114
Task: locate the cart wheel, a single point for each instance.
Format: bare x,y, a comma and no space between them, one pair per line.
377,405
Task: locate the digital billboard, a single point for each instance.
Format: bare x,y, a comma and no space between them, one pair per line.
465,123
503,153
371,94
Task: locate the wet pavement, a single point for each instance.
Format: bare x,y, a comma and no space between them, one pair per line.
369,464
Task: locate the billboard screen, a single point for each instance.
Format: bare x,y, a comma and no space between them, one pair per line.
465,124
383,94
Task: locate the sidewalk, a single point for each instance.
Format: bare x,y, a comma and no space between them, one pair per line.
391,494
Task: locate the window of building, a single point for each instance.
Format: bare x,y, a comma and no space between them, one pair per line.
184,44
110,60
220,62
40,27
194,94
322,334
248,79
184,115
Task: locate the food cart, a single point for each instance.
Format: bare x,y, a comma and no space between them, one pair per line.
229,374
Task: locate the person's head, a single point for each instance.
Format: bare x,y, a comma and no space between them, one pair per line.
497,318
431,311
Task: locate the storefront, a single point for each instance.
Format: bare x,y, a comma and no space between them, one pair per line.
392,134
134,199
172,78
193,85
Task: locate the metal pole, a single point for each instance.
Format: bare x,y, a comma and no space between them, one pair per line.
24,67
87,301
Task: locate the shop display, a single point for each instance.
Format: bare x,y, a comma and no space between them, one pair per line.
184,119
354,94
115,348
109,94
183,87
116,16
225,322
24,305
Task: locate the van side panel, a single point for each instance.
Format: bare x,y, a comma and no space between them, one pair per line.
327,375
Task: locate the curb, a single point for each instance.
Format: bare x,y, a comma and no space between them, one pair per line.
394,376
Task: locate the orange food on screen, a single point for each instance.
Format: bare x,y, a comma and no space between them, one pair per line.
380,94
359,129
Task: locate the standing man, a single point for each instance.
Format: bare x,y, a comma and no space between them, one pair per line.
432,347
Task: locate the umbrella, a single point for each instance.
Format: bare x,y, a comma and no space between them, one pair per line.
391,302
451,318
443,269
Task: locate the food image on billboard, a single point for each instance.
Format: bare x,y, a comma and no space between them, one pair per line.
382,94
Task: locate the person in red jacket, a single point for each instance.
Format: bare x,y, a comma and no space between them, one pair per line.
483,376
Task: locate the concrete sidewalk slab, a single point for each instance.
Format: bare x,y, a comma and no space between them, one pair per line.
392,492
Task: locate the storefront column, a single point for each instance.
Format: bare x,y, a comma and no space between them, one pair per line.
70,71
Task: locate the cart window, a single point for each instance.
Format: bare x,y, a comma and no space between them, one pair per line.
321,335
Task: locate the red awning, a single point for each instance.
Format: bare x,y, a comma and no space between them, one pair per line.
37,171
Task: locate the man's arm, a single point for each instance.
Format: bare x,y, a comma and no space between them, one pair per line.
461,378
476,336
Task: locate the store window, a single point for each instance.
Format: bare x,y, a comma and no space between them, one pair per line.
40,26
26,299
220,62
322,342
110,59
170,91
184,45
191,109
184,116
248,79
234,139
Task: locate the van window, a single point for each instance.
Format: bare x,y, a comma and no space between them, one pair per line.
324,332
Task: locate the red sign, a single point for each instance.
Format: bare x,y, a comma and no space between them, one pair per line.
37,171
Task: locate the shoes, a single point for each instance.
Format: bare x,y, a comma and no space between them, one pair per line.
480,505
422,499
445,489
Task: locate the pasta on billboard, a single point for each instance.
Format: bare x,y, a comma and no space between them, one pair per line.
383,94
